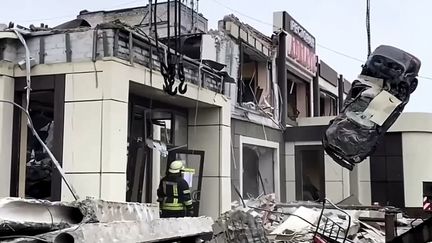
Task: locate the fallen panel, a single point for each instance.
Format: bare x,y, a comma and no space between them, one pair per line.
100,211
27,216
296,224
373,104
132,231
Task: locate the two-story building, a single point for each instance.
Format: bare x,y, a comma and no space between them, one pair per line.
250,122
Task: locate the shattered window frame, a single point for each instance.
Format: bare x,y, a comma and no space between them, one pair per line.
56,84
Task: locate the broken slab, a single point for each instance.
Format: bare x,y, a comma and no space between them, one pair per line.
297,222
29,216
132,231
101,211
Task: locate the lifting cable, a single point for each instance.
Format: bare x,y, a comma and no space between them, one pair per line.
160,54
368,26
173,65
182,86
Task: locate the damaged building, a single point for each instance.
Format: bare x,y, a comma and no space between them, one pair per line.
249,124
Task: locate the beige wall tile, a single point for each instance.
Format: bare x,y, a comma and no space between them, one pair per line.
113,187
82,137
86,185
114,136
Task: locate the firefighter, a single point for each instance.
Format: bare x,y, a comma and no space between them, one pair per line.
174,194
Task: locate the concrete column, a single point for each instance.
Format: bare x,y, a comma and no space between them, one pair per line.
316,94
337,180
340,92
290,175
282,77
211,133
95,134
6,126
364,182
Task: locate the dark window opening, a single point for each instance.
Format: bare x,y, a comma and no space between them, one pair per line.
32,173
328,104
292,100
38,163
310,180
298,98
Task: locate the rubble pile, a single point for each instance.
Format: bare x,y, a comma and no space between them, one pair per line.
90,220
297,222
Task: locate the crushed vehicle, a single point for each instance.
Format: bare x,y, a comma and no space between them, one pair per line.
375,101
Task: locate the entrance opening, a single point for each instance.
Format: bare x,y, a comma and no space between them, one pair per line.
154,129
310,180
194,160
258,171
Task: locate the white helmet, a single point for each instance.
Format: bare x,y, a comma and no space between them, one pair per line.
176,166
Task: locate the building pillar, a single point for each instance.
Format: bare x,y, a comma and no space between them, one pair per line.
95,134
340,92
282,76
7,91
209,130
316,93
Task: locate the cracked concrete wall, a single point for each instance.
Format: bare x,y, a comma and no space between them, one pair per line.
219,47
55,47
134,16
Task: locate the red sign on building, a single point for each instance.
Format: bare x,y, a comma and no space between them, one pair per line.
301,53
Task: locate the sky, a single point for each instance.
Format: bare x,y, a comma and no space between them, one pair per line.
339,27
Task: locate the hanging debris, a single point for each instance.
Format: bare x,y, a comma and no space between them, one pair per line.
373,104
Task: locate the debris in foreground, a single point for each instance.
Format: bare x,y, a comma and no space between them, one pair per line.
299,222
95,221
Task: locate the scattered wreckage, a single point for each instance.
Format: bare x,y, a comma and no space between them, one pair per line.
26,220
373,104
299,222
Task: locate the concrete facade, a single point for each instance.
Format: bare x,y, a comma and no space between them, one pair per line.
103,70
96,103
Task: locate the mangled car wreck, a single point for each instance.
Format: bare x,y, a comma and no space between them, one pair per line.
373,104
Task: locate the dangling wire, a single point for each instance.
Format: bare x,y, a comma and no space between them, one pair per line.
368,26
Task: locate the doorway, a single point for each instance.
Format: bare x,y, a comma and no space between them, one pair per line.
194,160
154,129
310,174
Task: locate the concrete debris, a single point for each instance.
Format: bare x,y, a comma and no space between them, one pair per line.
297,222
240,226
19,216
133,231
100,211
93,220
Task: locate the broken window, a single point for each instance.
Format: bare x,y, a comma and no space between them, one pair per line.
32,173
255,87
258,171
38,163
298,99
328,104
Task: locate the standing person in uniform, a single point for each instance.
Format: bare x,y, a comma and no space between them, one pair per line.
174,194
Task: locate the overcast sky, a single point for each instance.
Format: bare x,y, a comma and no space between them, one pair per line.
338,25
